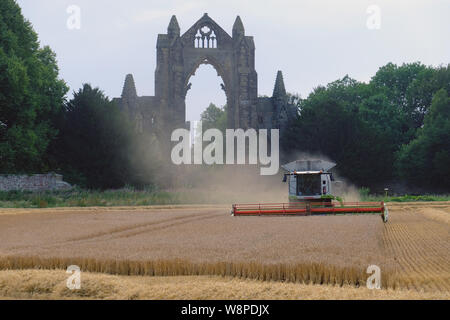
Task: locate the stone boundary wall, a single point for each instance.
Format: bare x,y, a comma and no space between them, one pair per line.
35,182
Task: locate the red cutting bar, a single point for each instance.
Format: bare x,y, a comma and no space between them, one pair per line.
307,208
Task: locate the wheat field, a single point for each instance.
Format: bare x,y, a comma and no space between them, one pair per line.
418,238
412,250
50,284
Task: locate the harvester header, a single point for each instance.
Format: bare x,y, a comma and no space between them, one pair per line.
311,193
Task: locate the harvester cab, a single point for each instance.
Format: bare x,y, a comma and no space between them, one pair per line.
309,180
310,193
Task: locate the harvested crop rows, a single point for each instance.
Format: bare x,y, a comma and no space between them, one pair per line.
419,239
412,250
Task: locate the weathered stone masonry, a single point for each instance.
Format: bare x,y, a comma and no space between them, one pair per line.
178,58
36,182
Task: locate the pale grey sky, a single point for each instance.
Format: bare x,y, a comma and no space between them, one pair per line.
312,41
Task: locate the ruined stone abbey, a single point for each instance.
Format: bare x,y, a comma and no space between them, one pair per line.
233,57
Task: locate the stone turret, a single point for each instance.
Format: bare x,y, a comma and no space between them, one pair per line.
238,28
283,110
129,88
174,28
129,96
279,92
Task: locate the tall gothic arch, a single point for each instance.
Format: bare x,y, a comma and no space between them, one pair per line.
178,58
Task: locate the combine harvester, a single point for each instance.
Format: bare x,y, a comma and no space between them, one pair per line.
310,193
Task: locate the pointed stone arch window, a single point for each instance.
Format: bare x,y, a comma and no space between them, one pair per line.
205,38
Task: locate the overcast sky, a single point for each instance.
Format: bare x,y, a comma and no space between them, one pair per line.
313,42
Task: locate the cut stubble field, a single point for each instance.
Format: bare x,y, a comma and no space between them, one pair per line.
412,250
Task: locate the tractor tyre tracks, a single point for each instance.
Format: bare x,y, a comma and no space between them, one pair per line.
132,230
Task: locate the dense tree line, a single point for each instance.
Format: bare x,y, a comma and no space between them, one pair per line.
31,95
92,135
98,145
426,159
88,139
394,128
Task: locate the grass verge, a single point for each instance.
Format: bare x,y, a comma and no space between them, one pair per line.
131,197
92,198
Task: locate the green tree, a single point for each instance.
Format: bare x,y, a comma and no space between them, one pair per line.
411,87
31,95
397,79
425,161
214,118
95,141
420,92
341,122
